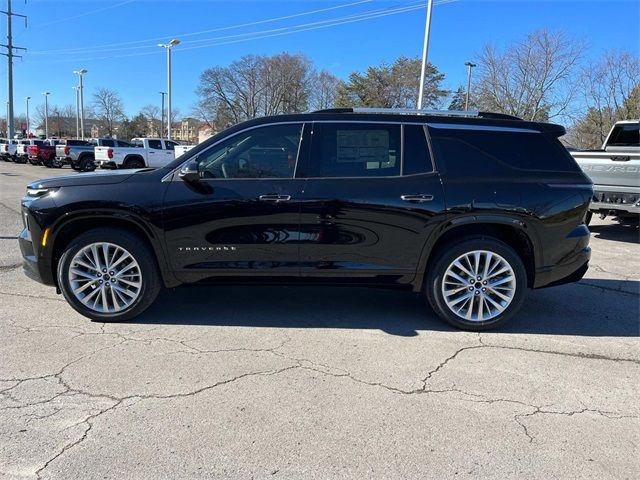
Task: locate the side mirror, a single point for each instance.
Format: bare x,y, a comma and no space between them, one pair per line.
189,172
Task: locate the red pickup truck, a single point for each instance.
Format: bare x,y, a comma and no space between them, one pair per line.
44,153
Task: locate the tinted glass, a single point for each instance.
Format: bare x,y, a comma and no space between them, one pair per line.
108,143
416,151
355,150
170,145
489,152
37,142
155,144
122,143
625,136
266,152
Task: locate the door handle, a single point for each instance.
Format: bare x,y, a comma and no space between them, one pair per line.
420,198
274,198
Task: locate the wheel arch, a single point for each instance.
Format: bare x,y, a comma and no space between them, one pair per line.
513,231
132,157
82,222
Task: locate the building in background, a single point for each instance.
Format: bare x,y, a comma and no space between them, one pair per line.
187,130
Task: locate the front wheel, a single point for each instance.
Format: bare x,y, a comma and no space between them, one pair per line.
108,275
477,284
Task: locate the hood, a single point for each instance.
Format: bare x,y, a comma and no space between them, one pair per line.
100,177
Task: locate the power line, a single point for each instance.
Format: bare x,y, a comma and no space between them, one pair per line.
190,34
85,14
250,36
10,55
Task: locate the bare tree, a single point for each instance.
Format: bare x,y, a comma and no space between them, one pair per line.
611,88
532,78
324,86
152,114
108,109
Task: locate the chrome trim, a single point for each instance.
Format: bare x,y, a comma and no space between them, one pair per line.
455,126
415,111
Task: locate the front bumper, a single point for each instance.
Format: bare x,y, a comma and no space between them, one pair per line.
34,266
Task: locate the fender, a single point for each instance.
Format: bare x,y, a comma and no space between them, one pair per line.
517,222
153,234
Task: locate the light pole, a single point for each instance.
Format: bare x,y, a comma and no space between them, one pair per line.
46,113
162,113
425,51
169,46
27,99
469,67
80,74
77,89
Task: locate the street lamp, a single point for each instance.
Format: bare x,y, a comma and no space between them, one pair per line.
46,113
81,74
425,51
469,66
77,89
169,46
161,113
27,99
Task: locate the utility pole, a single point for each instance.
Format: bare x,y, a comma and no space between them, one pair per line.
162,114
46,113
10,56
469,66
425,51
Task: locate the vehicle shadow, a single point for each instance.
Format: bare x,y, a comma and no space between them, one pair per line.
616,232
576,309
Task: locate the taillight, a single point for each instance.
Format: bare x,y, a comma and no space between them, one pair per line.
110,153
66,150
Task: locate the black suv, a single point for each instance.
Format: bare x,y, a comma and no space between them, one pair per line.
469,208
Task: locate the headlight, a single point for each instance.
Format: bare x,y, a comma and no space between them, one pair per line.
40,192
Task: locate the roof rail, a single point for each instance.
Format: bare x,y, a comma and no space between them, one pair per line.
415,111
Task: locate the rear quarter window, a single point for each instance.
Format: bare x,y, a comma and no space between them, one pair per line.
473,152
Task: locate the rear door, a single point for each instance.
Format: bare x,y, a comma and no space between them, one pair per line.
242,217
157,155
369,203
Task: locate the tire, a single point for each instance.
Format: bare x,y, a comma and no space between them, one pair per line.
587,217
140,269
55,163
133,163
33,162
86,164
495,312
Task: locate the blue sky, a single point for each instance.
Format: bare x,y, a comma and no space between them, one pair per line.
116,40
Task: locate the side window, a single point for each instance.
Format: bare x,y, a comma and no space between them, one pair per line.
108,143
416,158
170,145
263,152
155,144
488,152
355,150
625,135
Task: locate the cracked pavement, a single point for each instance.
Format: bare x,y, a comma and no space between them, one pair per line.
264,382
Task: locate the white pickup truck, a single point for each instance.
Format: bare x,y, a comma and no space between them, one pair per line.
615,173
145,152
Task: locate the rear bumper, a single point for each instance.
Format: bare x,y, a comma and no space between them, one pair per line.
111,165
570,266
620,199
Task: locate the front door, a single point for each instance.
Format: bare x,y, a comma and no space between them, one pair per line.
369,202
242,218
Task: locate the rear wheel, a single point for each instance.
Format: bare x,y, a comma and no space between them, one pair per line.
87,164
134,163
108,275
476,284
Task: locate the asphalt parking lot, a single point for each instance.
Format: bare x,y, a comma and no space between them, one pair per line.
263,382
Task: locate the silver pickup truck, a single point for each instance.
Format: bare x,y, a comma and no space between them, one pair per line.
615,173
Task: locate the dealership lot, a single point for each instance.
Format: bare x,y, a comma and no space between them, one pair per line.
235,382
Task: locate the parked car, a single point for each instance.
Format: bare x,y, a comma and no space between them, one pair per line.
615,172
142,152
44,153
22,155
8,150
182,149
80,155
469,210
